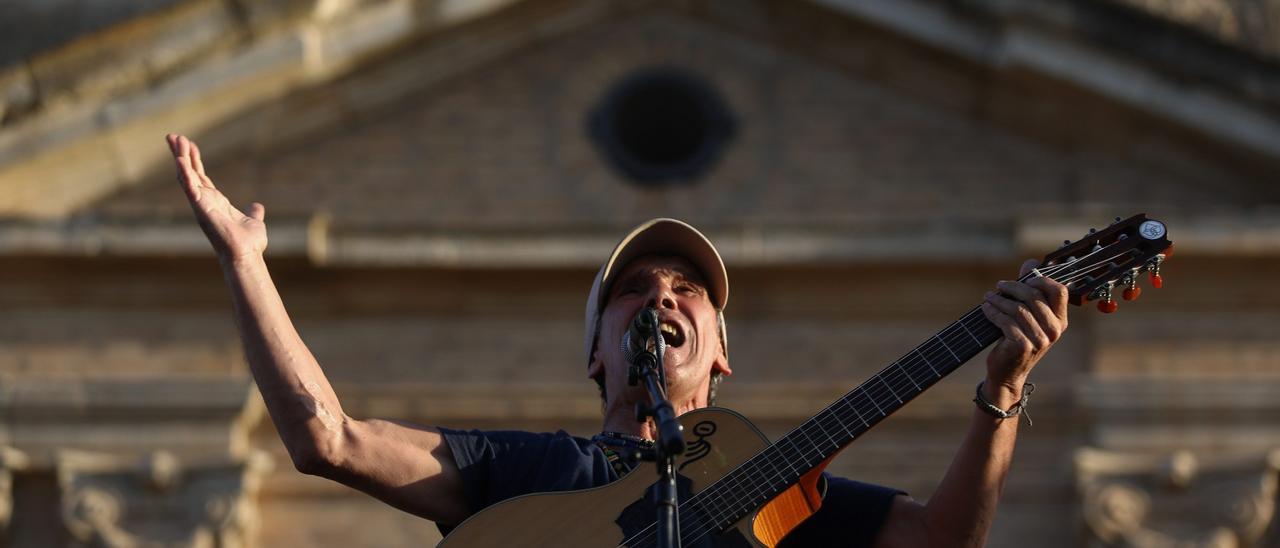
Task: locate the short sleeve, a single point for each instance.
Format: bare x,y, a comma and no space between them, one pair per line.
852,514
498,465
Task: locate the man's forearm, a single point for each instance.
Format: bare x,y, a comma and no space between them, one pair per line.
962,509
301,403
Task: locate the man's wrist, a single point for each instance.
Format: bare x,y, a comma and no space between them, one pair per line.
1003,393
999,411
241,263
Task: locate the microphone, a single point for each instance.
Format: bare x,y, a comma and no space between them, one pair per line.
643,327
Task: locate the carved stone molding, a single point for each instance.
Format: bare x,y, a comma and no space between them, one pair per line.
1179,499
114,501
186,416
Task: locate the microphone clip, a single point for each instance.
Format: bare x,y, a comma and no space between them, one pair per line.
644,347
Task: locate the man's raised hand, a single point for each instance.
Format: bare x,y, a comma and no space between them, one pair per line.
1032,315
233,234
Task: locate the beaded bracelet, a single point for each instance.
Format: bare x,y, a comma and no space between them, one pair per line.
1017,409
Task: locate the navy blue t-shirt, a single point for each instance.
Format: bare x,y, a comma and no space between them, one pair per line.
498,465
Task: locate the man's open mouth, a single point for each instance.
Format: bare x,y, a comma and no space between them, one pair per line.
672,334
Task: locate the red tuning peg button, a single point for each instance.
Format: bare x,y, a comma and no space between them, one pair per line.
1168,251
1108,306
1156,280
1132,293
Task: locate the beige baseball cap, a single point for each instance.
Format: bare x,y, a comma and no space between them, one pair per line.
660,236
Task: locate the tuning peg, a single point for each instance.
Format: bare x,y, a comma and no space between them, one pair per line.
1168,251
1105,303
1153,267
1117,221
1066,243
1130,283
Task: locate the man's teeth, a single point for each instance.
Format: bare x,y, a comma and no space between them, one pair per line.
669,332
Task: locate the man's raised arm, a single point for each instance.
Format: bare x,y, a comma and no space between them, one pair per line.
407,466
1032,316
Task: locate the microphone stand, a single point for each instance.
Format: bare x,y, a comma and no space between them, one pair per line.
648,364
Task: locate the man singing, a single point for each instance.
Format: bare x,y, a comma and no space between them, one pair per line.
447,475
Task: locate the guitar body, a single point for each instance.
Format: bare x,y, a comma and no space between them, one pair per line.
718,441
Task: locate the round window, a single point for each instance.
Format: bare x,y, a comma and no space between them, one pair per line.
661,125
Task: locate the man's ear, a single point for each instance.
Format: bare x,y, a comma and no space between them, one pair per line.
721,363
595,369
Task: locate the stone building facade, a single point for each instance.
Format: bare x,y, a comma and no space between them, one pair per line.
441,182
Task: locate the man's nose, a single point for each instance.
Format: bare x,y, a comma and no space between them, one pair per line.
661,296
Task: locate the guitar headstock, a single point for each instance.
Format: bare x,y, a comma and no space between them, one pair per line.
1093,267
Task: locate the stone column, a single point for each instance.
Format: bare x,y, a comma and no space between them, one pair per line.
11,460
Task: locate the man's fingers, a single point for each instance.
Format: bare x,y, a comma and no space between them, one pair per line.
1027,266
188,178
1031,325
1020,291
258,211
1009,327
1055,293
1031,300
206,181
195,158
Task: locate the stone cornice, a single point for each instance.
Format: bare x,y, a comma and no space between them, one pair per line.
323,244
444,403
40,416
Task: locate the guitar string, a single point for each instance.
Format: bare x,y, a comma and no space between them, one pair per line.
831,414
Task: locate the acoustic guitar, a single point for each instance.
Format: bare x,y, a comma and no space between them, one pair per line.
738,489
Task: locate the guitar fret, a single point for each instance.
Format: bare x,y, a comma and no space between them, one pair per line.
790,460
944,345
992,331
873,402
886,385
834,443
855,412
806,436
926,362
908,375
966,330
858,413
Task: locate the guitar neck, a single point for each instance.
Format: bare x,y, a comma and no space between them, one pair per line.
781,465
